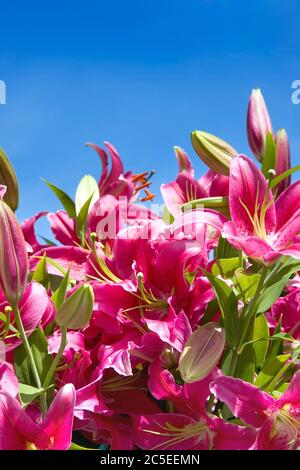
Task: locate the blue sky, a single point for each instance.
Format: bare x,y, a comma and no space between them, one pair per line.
140,74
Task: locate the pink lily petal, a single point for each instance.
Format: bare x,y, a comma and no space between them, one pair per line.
161,382
119,432
59,418
68,257
244,400
29,232
33,305
230,436
287,204
172,329
63,228
21,433
8,380
254,247
247,188
104,160
184,163
116,167
116,355
274,435
292,394
75,341
288,232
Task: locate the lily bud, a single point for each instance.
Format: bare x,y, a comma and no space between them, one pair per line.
215,152
201,352
75,312
217,203
283,159
13,253
8,178
258,124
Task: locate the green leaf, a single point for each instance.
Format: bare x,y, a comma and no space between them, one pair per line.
211,310
271,294
282,270
43,360
59,295
82,216
87,187
273,372
78,447
40,273
66,201
269,157
225,250
167,217
228,304
284,175
28,393
261,330
225,267
47,241
246,284
276,346
246,364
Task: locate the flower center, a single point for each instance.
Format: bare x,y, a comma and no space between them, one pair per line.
258,219
291,425
175,435
120,384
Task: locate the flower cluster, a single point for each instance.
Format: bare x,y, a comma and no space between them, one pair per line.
147,329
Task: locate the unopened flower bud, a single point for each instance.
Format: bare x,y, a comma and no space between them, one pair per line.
283,159
13,253
201,352
8,178
215,152
217,203
75,312
258,124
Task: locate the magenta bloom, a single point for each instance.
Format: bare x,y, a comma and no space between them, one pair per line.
21,432
262,228
278,421
13,253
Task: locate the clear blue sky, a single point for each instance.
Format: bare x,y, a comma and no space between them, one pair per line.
141,74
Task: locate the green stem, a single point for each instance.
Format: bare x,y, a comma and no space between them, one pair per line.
51,371
29,354
248,317
250,311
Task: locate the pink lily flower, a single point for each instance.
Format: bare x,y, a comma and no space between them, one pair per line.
277,421
185,188
54,432
262,228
